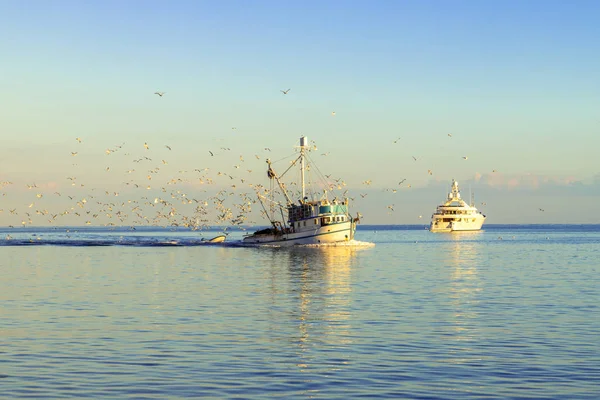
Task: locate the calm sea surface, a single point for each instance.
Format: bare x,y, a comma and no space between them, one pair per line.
508,312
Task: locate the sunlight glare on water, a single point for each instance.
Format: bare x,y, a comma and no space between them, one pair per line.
403,314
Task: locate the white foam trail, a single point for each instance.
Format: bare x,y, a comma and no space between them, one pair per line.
350,243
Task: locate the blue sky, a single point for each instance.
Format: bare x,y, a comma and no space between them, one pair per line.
515,83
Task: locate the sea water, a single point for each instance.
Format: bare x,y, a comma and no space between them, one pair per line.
506,312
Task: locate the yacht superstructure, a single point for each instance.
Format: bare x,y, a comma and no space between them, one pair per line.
455,214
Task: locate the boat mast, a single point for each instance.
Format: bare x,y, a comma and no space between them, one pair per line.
272,175
303,146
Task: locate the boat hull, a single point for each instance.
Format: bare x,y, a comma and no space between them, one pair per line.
216,239
334,233
456,226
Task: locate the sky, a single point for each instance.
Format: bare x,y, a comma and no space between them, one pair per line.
502,96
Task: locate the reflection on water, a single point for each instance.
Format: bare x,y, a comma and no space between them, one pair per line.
464,290
418,316
318,282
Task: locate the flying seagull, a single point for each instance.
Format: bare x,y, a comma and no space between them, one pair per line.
160,93
285,91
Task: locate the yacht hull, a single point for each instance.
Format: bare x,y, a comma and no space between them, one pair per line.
334,233
456,226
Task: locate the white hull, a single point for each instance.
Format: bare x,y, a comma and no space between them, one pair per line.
216,239
457,226
334,233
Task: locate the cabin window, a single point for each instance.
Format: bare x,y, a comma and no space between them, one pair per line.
316,221
304,223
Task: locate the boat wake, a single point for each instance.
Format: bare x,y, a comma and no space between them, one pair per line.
108,242
351,243
140,241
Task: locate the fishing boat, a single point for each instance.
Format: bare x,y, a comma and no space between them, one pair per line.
311,219
455,214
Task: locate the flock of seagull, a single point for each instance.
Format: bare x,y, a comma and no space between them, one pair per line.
155,196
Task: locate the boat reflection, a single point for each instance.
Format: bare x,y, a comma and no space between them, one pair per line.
317,283
465,288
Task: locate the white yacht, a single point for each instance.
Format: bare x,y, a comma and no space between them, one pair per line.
456,215
306,221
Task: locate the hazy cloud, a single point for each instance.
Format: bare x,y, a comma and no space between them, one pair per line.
529,182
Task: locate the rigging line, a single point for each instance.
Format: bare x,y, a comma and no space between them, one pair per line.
319,173
290,167
282,218
265,209
312,183
269,200
284,158
271,196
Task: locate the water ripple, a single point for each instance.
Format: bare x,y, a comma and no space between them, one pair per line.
417,316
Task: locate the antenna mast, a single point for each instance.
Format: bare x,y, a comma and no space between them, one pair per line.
303,147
